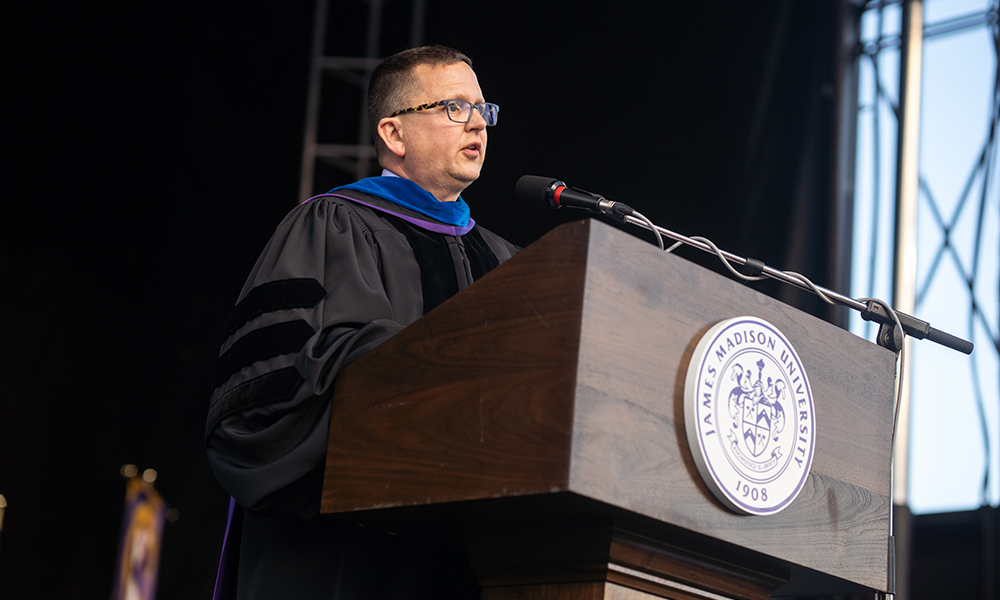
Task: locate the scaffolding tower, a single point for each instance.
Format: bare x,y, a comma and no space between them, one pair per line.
355,158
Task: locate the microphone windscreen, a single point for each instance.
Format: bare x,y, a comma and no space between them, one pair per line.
537,190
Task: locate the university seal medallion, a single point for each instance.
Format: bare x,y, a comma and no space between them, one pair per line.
748,411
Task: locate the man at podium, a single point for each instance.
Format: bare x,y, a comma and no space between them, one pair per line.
342,273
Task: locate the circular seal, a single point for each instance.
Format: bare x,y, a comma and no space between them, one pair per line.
748,411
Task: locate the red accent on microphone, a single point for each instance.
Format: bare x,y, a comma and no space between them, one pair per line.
555,196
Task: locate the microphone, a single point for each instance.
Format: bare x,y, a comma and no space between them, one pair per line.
547,192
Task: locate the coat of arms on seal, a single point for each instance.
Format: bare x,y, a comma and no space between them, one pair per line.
748,411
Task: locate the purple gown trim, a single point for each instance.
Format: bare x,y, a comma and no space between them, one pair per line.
225,579
432,227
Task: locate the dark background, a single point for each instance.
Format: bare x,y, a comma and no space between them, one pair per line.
150,150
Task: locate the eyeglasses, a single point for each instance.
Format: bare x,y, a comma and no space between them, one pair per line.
458,111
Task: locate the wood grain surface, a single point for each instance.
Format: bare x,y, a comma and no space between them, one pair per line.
590,590
630,443
474,400
578,544
562,371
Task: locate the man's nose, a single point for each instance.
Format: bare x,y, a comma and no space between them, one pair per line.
477,121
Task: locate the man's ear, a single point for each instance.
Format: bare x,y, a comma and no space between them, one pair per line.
389,129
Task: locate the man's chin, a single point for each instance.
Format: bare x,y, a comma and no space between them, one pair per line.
467,176
476,170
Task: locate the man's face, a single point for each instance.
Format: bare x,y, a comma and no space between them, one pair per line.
442,156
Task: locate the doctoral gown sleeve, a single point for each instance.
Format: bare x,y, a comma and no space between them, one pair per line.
317,300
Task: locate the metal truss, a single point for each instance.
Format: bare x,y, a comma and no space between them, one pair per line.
982,172
356,158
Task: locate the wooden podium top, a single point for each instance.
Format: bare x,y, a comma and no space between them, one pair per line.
562,372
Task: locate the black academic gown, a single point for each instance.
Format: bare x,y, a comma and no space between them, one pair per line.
337,279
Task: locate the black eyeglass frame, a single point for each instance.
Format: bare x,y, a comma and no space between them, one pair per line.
487,110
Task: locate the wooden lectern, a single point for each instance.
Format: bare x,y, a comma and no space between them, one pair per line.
538,415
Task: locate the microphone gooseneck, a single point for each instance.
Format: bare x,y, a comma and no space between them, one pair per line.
549,192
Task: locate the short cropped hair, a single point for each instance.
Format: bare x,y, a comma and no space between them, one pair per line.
392,82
